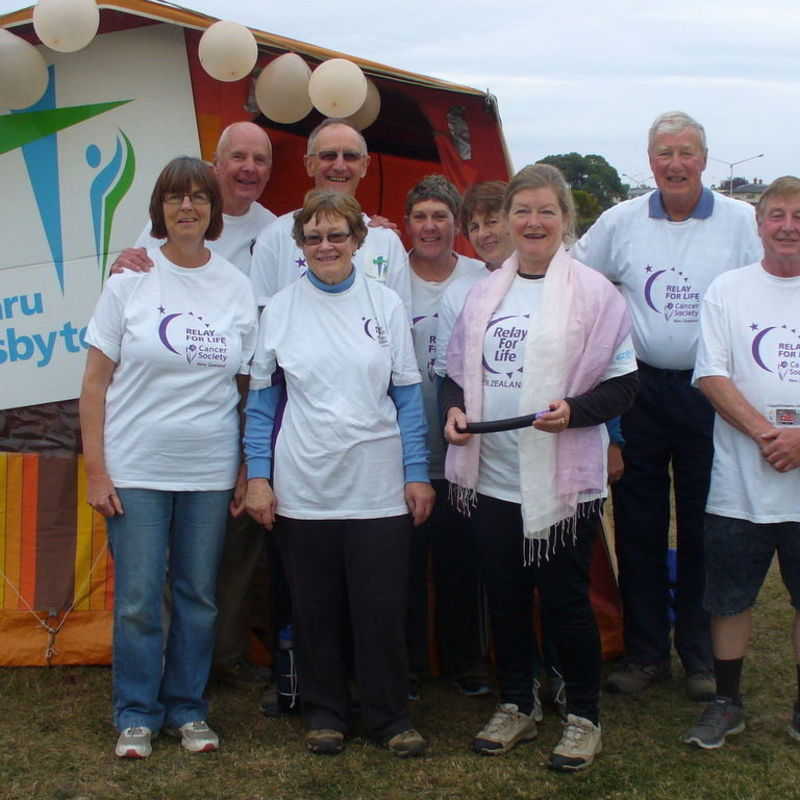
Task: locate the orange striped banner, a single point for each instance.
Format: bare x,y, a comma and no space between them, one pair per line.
50,539
29,529
12,542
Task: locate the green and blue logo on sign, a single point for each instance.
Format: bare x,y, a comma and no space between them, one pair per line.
35,130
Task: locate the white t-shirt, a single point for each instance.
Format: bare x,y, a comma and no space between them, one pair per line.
278,261
237,239
450,307
750,334
503,358
664,268
425,299
338,453
178,336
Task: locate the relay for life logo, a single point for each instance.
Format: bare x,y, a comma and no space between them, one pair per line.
670,292
424,327
776,349
193,337
504,350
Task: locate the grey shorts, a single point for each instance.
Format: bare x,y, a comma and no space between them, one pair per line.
738,554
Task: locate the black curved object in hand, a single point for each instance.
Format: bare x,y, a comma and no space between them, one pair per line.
495,425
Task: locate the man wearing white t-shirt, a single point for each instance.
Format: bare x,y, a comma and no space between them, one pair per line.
663,250
242,164
336,160
432,207
748,365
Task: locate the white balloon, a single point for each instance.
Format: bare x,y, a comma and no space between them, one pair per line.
368,113
66,25
282,89
23,72
228,51
337,88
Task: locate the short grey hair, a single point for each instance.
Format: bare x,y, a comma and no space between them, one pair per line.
434,187
326,123
782,189
675,122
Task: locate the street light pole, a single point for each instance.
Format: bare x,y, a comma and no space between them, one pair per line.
733,164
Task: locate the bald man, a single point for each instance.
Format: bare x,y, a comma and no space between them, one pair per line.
336,160
242,163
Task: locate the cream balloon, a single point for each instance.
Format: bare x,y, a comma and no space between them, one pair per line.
23,72
337,88
282,89
66,25
368,113
228,51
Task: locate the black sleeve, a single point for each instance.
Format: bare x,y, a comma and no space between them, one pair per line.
607,400
450,394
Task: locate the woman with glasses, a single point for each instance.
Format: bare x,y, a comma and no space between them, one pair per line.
350,475
161,445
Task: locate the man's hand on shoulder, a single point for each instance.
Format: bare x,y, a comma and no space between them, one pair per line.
134,259
381,222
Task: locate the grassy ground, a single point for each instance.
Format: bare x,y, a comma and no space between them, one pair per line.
56,743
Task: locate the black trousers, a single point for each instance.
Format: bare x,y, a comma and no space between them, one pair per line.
240,589
671,423
350,572
563,582
448,537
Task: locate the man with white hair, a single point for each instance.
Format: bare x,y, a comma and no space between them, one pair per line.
663,250
336,160
242,163
748,366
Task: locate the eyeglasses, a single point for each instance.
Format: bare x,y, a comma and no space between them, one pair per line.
195,198
348,156
337,237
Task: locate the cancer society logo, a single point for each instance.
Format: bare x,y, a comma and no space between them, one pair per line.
34,131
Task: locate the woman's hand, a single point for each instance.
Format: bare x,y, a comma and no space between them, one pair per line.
616,464
556,419
102,496
456,418
420,498
260,502
237,505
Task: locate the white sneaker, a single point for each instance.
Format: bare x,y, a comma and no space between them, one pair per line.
196,737
580,742
134,743
507,727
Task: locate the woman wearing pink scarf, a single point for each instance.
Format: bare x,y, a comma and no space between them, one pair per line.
546,334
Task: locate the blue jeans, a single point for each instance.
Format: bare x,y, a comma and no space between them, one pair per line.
174,536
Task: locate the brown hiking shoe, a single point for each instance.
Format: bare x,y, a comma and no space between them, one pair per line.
325,741
407,744
632,678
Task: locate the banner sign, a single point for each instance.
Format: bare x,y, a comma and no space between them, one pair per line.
76,171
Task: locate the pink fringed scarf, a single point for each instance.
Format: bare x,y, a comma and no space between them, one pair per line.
581,321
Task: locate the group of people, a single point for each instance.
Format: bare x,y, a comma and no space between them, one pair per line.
364,388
